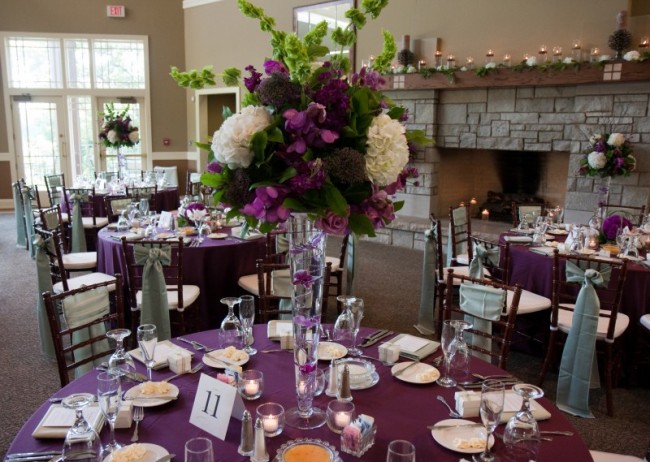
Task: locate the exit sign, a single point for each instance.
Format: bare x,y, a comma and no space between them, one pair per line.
115,11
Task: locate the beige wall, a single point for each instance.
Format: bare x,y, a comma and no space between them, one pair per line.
160,20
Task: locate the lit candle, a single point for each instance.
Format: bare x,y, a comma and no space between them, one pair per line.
485,214
644,43
595,52
302,387
462,204
592,243
341,419
438,58
577,50
489,56
422,64
473,201
270,423
470,62
557,54
543,53
451,61
506,60
252,387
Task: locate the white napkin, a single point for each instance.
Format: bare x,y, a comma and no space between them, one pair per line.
518,238
60,416
410,343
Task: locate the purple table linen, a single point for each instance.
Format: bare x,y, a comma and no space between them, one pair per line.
166,199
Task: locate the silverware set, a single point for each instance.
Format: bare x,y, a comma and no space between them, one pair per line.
374,338
197,345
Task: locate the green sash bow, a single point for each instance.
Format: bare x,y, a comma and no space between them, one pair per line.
484,304
428,306
19,213
579,351
78,233
44,284
482,256
155,307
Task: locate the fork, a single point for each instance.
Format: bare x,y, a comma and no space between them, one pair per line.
138,415
452,413
194,370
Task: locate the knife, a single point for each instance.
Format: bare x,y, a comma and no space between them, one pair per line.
135,376
376,334
451,427
22,455
371,342
401,371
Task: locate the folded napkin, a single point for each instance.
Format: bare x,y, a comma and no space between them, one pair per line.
251,234
544,250
413,347
161,354
277,328
518,238
469,402
59,419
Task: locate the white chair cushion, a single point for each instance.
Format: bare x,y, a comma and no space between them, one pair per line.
336,263
645,321
530,302
79,261
85,280
462,259
171,175
100,222
249,283
600,456
190,294
195,177
565,320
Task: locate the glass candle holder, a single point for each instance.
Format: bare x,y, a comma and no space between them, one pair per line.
543,53
489,57
272,417
644,43
557,54
251,384
339,414
576,50
451,61
438,58
469,63
507,60
422,64
594,55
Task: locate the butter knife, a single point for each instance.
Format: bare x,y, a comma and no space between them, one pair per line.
376,339
451,427
401,371
22,455
376,334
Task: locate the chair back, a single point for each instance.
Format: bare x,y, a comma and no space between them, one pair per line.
634,214
193,184
521,210
84,197
171,175
82,342
460,233
493,256
108,176
610,294
54,252
115,205
51,220
143,192
55,185
494,316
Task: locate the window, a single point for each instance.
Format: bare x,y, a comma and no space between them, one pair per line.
34,62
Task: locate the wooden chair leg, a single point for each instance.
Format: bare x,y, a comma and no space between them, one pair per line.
609,382
550,354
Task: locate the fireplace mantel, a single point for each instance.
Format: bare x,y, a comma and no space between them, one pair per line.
614,72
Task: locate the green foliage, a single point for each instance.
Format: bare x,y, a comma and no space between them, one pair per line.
427,72
382,62
193,78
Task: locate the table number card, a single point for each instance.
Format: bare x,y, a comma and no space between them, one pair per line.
165,221
215,403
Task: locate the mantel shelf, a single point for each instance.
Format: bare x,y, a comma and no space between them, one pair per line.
614,72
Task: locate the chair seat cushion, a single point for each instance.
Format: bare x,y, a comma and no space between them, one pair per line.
100,222
530,302
462,259
335,261
190,294
64,217
249,283
645,321
79,261
85,280
565,320
280,279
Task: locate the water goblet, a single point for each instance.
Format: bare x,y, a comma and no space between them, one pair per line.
204,229
230,322
446,342
147,340
120,363
199,450
492,398
81,440
109,394
247,318
400,451
356,310
343,330
459,362
144,207
521,435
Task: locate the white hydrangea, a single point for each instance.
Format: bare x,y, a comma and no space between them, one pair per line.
134,136
231,143
567,60
531,61
388,152
631,56
616,139
111,136
593,139
596,160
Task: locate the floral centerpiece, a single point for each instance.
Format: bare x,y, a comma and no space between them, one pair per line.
311,138
612,224
192,214
610,155
118,131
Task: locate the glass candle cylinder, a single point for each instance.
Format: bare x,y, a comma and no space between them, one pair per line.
272,417
507,60
557,54
451,61
469,63
489,57
576,50
251,384
422,64
339,414
543,53
438,58
644,43
594,55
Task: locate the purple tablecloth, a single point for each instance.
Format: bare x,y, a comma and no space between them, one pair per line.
214,266
166,199
401,410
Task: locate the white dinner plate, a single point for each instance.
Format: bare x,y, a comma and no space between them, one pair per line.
331,350
212,359
464,429
154,452
133,394
411,375
218,235
558,232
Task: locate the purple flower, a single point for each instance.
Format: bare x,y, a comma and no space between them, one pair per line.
253,81
378,208
302,277
303,128
333,224
214,167
612,224
267,205
271,66
311,175
305,321
307,368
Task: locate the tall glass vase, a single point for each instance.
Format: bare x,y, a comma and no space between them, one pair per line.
121,163
306,258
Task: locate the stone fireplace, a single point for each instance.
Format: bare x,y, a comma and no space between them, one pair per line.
472,127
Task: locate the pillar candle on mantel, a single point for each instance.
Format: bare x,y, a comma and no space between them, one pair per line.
406,42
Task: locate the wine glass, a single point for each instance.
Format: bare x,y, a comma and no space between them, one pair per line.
247,318
356,311
81,440
144,207
109,394
459,361
203,228
521,435
199,450
492,398
120,363
231,329
400,451
344,324
446,342
147,339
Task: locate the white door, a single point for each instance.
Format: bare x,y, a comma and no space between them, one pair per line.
40,137
136,158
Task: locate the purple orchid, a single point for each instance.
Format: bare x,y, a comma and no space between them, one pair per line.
304,131
271,66
254,80
612,224
378,208
311,175
303,278
214,167
267,205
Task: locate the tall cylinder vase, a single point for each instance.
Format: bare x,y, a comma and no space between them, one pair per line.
306,258
603,196
121,163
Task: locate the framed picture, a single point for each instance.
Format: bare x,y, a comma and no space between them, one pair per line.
305,18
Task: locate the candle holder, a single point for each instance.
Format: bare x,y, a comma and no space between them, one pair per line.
543,53
251,384
489,57
485,215
594,55
507,60
339,414
422,64
557,54
576,50
272,417
469,63
451,62
438,58
644,43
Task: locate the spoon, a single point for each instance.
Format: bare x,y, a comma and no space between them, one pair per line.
452,413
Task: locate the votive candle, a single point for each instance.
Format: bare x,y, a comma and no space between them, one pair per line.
485,214
543,53
342,419
644,43
489,56
595,53
422,64
451,61
577,50
438,58
469,62
507,60
251,387
557,54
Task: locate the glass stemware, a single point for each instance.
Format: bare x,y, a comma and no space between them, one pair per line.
120,363
521,435
247,318
109,394
144,207
446,342
356,311
199,450
203,229
81,441
492,398
459,362
147,340
343,329
232,331
400,451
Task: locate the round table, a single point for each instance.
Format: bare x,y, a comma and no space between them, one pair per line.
166,200
401,411
214,266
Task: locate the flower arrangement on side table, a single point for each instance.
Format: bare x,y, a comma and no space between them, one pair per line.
118,131
610,156
311,138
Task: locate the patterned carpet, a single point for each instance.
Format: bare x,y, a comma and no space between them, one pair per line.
388,279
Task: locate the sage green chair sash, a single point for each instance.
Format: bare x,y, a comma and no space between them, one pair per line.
155,307
19,213
460,220
350,262
485,304
83,308
78,234
482,255
43,284
576,367
428,306
29,219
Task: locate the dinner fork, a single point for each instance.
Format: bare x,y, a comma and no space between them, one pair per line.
452,413
138,415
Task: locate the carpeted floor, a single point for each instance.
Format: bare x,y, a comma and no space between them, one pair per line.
388,279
